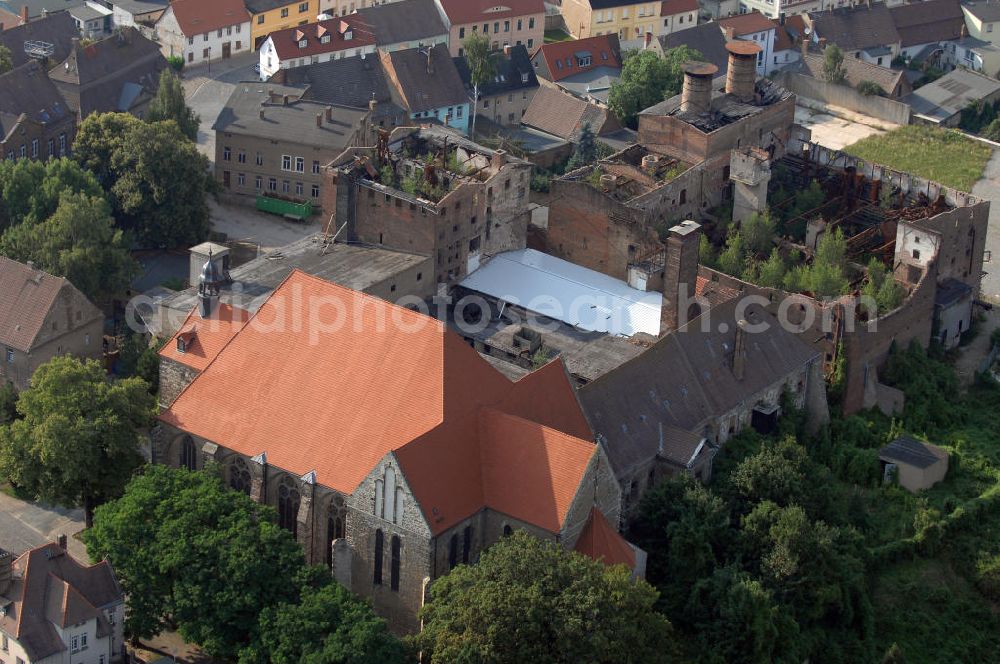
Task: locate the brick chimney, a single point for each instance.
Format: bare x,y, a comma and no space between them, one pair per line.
319,120
742,74
499,159
740,350
696,97
24,14
680,273
329,113
6,571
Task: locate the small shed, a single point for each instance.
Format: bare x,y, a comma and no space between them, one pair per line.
918,465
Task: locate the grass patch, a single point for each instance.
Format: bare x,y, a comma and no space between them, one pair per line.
553,36
940,155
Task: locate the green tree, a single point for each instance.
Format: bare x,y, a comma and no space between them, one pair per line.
733,258
156,179
80,242
6,62
533,601
479,58
30,190
706,252
328,625
870,89
647,79
77,442
758,234
772,271
833,65
190,551
169,104
779,472
586,149
8,404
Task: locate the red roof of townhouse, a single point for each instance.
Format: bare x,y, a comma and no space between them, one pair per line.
197,16
783,39
330,36
331,380
671,7
461,12
745,24
561,60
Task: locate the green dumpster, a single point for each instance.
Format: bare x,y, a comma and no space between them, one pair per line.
288,209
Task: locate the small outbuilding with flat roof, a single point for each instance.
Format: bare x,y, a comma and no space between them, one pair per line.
918,465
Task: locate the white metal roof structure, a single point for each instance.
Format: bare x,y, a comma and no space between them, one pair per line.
572,294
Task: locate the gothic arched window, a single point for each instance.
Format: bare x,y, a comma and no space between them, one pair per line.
453,552
288,507
394,567
239,476
379,544
334,528
189,455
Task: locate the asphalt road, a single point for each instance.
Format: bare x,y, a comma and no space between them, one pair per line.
25,525
989,189
207,92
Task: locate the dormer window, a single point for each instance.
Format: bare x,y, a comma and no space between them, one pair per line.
181,345
583,61
325,39
349,35
302,43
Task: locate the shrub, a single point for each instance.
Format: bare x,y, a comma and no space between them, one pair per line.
870,89
176,62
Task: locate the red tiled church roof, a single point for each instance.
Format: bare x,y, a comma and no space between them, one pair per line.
205,338
601,541
337,399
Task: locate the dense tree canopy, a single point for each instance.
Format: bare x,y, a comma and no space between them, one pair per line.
648,79
156,179
77,441
30,190
6,62
533,601
169,104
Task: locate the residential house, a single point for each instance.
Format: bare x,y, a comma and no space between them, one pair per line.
35,121
93,20
893,82
678,15
388,491
136,13
43,316
199,32
584,67
57,610
348,82
32,40
561,114
506,97
757,28
775,9
345,7
925,28
669,410
789,37
445,197
334,38
706,38
405,24
942,101
426,83
628,19
273,142
267,16
509,24
864,32
972,53
982,18
118,74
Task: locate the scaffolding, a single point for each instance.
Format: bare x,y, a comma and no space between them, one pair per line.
39,50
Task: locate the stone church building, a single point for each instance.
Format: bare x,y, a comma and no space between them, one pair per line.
389,447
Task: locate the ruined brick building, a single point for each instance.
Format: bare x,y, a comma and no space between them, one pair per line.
389,447
431,192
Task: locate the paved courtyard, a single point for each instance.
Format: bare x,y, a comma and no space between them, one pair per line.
207,92
25,525
832,131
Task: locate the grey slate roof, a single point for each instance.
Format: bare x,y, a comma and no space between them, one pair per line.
562,114
595,83
912,452
684,380
509,73
349,82
928,21
294,123
404,21
950,291
26,89
948,95
705,38
57,29
984,10
421,90
856,70
139,7
37,7
856,28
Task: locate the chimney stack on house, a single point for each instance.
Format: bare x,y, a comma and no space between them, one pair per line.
329,113
696,96
680,275
740,350
499,159
6,571
319,120
742,74
24,14
430,61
